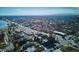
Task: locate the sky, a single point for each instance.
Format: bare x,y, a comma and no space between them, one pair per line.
39,11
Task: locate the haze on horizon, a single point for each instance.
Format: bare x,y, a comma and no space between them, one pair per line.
36,11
